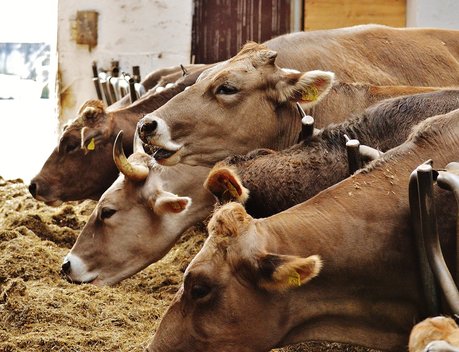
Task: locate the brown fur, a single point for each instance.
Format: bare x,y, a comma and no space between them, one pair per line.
253,116
282,179
368,291
79,175
432,329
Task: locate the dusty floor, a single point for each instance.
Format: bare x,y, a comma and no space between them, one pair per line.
40,311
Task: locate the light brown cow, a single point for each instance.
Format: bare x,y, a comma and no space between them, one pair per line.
253,285
81,166
437,334
248,102
320,161
138,219
303,171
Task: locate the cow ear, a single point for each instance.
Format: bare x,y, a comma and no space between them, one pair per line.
91,111
283,272
169,203
307,88
225,185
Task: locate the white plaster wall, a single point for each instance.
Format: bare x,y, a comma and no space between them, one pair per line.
148,33
433,13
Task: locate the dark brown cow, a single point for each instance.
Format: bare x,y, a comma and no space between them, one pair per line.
341,266
248,101
80,169
279,180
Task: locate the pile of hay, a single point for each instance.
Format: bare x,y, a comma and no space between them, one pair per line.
40,311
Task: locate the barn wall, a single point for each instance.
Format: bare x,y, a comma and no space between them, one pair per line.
327,14
429,13
147,33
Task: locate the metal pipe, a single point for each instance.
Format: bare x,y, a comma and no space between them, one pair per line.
429,287
450,180
353,155
431,241
95,79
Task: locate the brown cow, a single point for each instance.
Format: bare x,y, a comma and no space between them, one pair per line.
437,334
247,102
341,266
138,219
75,172
279,180
295,169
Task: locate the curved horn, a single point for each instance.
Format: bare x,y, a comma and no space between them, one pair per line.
131,171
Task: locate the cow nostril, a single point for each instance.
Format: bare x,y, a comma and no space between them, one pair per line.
33,189
66,268
148,127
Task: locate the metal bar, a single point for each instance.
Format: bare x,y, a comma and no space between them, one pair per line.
429,287
132,91
307,124
431,240
450,180
107,96
353,154
95,79
136,74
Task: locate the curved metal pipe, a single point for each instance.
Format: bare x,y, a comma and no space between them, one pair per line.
431,240
131,171
368,153
429,286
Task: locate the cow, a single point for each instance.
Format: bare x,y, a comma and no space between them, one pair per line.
436,334
320,161
387,124
59,181
138,219
341,266
81,166
248,101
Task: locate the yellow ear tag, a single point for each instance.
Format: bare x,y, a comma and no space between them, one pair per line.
232,190
92,144
311,93
294,279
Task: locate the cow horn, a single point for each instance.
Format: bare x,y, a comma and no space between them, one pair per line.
131,171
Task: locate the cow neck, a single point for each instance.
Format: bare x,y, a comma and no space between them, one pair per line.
389,123
289,127
365,255
348,290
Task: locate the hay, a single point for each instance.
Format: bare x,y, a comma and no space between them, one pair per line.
40,311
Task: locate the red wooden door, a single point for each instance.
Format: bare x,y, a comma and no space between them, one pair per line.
222,27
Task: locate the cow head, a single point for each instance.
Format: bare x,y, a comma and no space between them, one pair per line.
245,103
234,291
137,220
81,163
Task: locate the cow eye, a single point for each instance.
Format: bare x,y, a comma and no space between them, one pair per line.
106,213
226,89
71,147
199,291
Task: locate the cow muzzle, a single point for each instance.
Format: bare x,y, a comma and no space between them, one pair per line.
154,132
74,270
41,190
